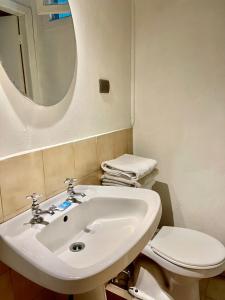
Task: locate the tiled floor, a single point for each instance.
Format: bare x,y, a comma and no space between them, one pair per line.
213,288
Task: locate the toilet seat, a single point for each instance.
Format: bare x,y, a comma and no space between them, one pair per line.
188,248
185,256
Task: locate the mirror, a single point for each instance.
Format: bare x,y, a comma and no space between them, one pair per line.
38,47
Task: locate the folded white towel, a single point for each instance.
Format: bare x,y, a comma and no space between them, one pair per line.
117,183
122,180
146,182
129,166
149,180
114,183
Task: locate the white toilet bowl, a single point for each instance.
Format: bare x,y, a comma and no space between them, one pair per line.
186,256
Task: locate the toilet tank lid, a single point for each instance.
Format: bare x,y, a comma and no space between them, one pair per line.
188,248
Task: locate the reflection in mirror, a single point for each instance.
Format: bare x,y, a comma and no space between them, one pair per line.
38,47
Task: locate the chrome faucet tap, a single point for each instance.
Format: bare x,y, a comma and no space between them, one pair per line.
71,182
37,211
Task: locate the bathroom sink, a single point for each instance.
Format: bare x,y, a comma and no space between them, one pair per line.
87,244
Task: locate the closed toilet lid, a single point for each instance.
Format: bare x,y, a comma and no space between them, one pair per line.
188,248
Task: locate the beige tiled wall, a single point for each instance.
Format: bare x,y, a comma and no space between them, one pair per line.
120,143
44,171
86,160
93,178
58,165
114,144
130,140
20,176
105,147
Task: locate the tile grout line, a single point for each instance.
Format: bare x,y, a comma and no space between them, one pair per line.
1,198
44,176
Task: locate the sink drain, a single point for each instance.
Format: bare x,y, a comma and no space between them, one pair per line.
76,247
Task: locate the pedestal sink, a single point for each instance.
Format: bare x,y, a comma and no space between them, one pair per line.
86,245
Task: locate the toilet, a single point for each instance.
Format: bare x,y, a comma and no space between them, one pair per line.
184,256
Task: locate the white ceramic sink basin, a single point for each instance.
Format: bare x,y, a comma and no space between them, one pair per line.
114,224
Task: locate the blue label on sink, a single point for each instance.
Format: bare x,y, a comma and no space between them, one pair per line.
64,205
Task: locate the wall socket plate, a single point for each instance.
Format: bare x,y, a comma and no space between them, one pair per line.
104,86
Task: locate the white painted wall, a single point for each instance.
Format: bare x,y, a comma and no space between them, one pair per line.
180,105
103,48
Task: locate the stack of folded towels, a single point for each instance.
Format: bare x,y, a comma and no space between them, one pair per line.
129,170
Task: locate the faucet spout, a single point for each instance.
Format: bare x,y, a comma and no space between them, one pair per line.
46,211
37,212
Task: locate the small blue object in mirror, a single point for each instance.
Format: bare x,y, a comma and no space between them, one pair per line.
54,17
55,2
60,15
